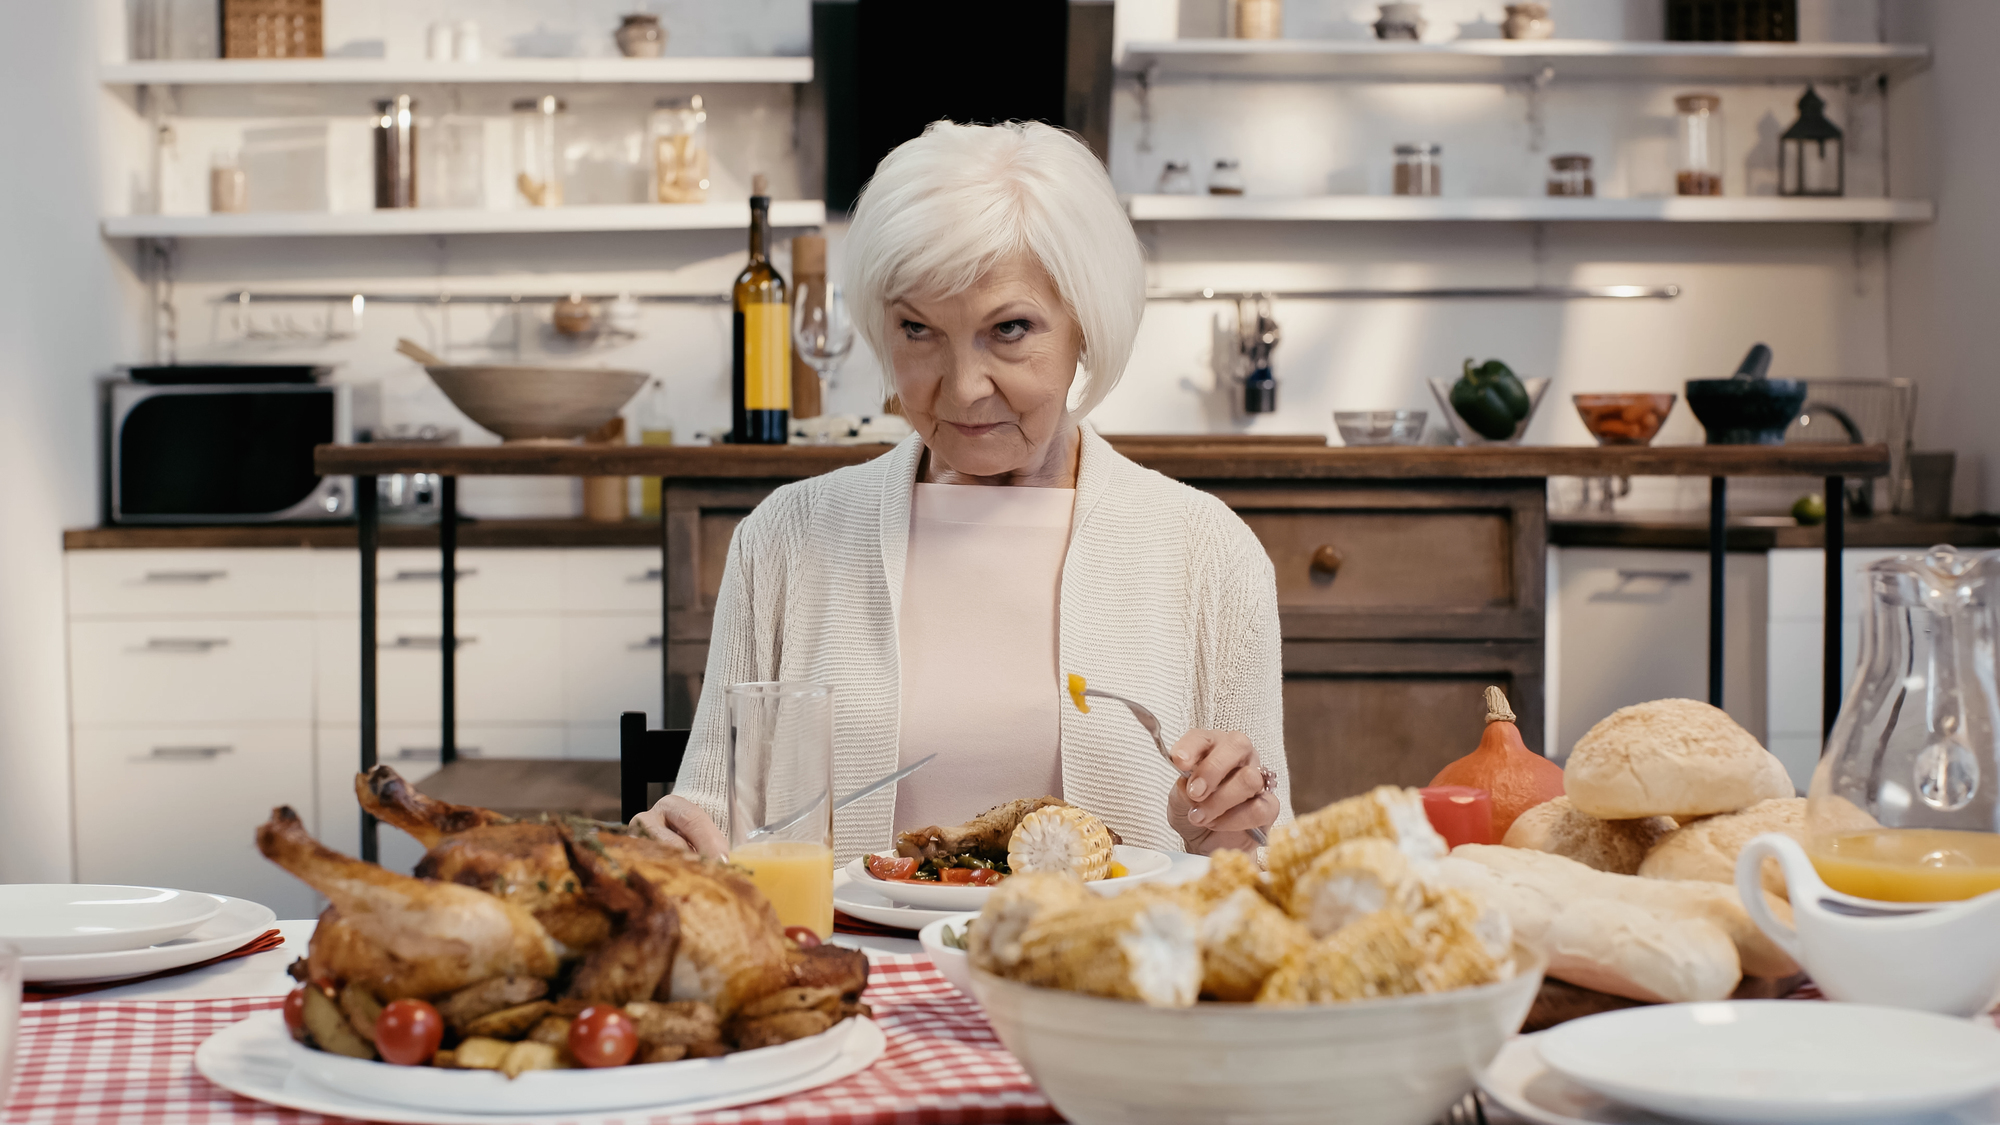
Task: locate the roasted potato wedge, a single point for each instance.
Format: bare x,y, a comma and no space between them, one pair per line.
791,1000
769,1031
489,996
481,1054
529,1055
362,1010
553,1030
714,1048
679,1023
448,1060
508,1023
662,1053
329,1028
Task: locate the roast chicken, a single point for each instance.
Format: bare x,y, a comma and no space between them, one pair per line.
602,914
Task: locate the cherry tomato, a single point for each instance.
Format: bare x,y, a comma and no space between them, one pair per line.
295,1009
891,867
803,936
408,1032
970,876
603,1036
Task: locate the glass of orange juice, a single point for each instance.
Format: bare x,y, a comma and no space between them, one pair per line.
781,796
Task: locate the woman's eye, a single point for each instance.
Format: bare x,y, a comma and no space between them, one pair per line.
1011,330
913,330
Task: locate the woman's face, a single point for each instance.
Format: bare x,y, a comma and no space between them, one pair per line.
984,375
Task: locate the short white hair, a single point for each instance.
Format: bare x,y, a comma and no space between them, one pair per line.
946,207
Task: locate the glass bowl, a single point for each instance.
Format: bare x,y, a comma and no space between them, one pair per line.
1466,435
1623,419
1380,427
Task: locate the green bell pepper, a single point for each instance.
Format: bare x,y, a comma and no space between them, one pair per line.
1490,399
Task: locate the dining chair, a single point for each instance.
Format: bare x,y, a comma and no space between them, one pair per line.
646,757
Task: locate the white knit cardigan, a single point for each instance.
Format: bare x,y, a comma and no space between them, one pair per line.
1167,597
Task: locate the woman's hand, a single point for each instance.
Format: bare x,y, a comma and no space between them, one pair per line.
1224,794
677,821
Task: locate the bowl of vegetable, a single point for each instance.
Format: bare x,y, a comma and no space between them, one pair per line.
1624,419
1488,404
944,941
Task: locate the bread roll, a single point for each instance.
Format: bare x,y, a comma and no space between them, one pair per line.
1705,850
1628,950
1617,846
1565,881
1671,757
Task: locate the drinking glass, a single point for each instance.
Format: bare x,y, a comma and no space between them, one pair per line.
822,331
10,1015
781,781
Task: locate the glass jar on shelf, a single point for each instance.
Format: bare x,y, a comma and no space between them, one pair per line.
539,124
1226,178
1698,151
1176,179
1417,169
1570,175
678,131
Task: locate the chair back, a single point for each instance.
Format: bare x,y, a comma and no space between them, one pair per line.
646,757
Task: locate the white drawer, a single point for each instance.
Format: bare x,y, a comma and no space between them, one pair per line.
489,580
610,665
189,583
611,579
191,671
180,808
509,669
412,750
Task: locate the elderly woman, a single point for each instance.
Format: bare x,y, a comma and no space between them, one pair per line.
944,588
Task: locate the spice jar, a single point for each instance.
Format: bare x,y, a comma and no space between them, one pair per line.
640,36
1417,167
679,132
396,152
1176,179
1698,163
1257,19
228,191
1225,179
1570,175
538,128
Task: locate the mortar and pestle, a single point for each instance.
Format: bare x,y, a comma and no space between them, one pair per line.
1747,408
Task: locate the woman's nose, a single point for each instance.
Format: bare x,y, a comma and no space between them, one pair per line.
967,378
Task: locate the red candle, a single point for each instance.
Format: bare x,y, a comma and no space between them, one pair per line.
1460,813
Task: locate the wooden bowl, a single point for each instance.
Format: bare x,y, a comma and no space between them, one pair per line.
538,403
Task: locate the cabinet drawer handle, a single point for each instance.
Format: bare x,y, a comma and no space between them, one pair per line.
427,644
430,575
188,753
1625,576
166,577
432,753
653,575
184,644
649,642
1327,559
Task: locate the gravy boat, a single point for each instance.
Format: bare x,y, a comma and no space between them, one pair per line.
1935,957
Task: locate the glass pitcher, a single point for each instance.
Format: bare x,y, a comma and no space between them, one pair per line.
1905,804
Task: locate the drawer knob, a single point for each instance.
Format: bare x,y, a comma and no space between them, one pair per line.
1327,559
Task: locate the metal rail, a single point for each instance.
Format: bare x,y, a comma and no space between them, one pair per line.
1502,293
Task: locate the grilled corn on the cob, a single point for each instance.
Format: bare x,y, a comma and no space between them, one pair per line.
1125,948
1243,940
1228,872
1061,838
1390,953
1385,811
1352,880
995,943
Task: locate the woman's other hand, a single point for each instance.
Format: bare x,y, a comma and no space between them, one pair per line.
1225,793
677,821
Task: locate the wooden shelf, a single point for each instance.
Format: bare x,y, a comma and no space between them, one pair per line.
1422,209
791,213
402,72
1501,60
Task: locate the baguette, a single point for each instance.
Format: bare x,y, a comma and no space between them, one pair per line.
1628,950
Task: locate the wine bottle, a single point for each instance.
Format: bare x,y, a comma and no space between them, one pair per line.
761,379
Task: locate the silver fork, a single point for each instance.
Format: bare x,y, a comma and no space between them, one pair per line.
1466,1111
1152,726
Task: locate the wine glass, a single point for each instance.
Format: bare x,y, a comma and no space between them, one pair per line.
822,331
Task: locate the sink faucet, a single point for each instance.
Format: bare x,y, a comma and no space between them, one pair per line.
1861,493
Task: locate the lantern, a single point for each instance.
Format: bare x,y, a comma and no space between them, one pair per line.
1811,159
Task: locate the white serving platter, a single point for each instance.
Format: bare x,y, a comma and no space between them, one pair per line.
65,919
1142,865
863,901
257,1058
236,922
1784,1062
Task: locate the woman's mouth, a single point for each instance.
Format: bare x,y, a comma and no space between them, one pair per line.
974,430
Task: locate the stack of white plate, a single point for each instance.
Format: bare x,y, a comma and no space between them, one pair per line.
76,933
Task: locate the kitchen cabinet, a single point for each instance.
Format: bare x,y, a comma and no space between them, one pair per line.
226,680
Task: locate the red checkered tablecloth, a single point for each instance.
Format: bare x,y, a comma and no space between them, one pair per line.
132,1061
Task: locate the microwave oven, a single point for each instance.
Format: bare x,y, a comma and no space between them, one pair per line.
227,453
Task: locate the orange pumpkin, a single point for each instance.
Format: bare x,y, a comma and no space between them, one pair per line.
1517,777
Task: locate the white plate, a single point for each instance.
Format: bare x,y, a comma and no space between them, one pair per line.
64,919
1141,864
254,1058
236,922
863,901
1786,1061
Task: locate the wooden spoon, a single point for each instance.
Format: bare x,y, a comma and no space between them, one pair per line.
416,351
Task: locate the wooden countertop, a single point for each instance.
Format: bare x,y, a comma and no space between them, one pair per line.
1187,458
1661,531
471,533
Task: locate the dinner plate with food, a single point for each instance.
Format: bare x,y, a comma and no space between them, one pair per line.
555,965
956,868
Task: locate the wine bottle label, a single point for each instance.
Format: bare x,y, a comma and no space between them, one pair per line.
767,357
